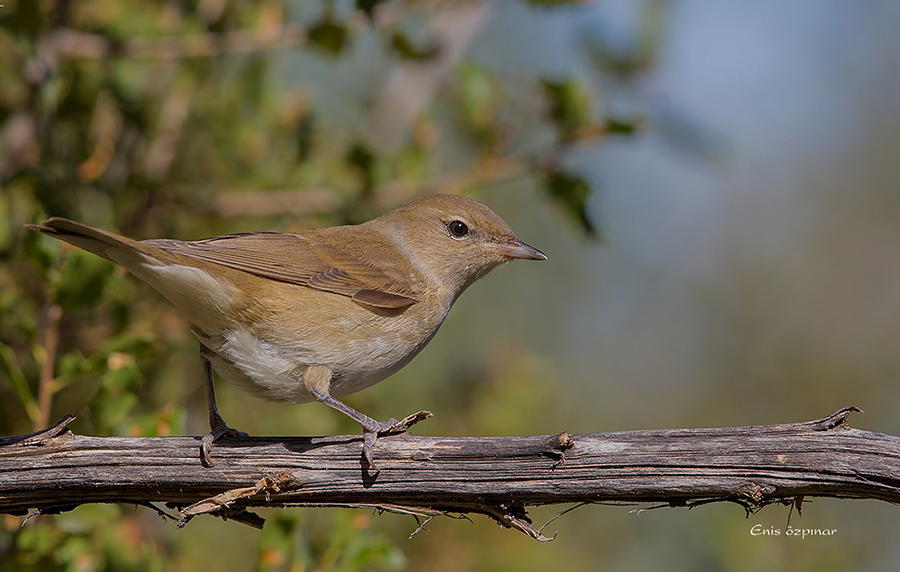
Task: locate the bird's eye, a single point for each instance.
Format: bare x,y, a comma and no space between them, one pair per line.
458,228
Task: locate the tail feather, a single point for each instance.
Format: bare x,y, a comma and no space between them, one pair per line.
200,296
100,242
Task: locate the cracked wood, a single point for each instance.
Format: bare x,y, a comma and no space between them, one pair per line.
499,476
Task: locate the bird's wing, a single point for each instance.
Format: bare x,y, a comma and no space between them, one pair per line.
308,261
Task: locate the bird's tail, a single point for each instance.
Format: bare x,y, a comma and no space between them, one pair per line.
199,295
100,242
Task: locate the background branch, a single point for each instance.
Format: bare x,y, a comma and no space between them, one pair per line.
498,476
70,43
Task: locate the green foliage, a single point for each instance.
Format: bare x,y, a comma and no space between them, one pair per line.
84,540
156,118
571,193
479,99
368,6
570,106
329,36
340,542
403,45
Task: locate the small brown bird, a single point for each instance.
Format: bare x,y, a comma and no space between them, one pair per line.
318,314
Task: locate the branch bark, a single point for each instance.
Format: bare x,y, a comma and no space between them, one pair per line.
55,470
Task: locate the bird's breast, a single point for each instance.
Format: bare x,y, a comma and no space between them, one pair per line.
361,345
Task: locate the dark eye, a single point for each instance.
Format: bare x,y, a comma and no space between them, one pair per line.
458,228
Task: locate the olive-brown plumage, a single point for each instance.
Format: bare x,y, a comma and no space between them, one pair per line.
321,313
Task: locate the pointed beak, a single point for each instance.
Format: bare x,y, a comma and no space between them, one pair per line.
515,248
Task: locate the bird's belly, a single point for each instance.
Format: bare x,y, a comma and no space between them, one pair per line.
258,367
275,371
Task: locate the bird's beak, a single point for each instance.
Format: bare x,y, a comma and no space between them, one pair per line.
517,249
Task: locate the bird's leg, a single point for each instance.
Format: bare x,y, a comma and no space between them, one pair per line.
372,429
217,426
317,380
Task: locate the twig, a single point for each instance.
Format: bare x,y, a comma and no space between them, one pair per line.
49,336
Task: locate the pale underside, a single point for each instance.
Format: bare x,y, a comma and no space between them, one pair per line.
268,359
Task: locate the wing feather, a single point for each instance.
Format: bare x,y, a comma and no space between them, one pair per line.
307,261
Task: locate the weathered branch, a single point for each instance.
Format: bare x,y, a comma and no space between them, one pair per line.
69,43
753,466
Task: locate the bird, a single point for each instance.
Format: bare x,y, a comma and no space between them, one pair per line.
317,314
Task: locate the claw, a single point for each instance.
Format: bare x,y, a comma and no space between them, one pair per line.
374,429
206,443
369,438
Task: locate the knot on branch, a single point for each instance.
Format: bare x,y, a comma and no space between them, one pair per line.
835,420
755,492
557,446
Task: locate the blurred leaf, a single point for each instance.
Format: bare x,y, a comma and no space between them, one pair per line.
571,192
18,317
254,81
613,62
363,159
81,280
275,548
76,550
115,400
160,423
41,252
348,544
304,133
139,345
402,45
623,126
74,363
477,93
368,6
6,230
570,106
38,540
25,19
121,376
9,366
328,35
84,540
479,98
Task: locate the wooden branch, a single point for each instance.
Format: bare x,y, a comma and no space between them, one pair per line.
69,43
55,470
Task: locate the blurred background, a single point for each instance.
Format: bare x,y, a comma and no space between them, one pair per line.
717,187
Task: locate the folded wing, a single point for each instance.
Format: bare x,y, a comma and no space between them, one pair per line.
366,276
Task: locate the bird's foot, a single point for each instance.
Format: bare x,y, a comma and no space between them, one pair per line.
372,430
218,429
